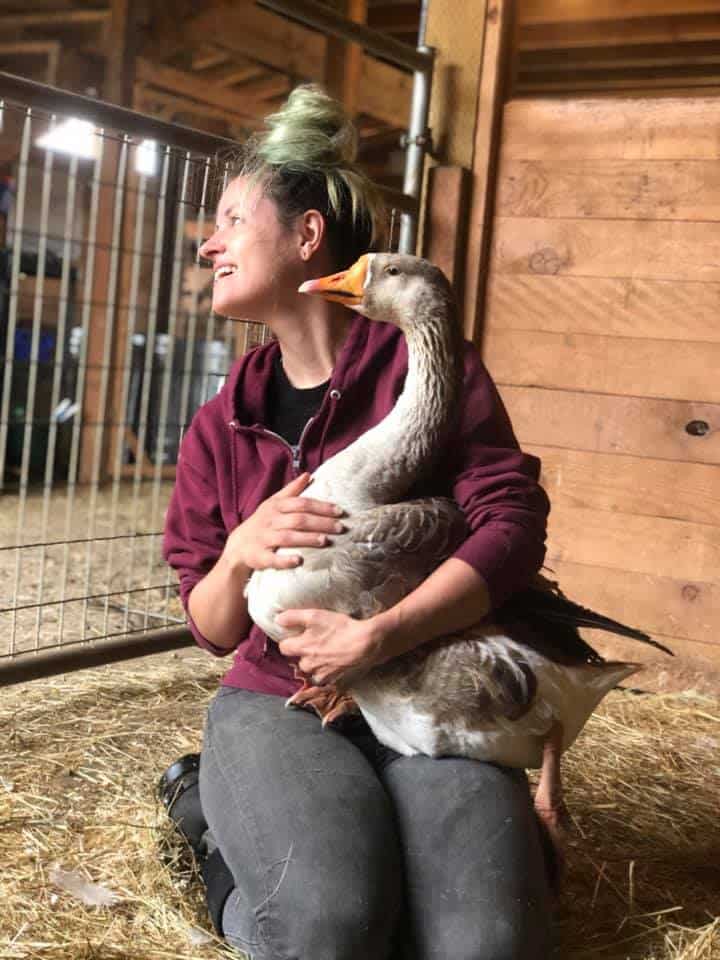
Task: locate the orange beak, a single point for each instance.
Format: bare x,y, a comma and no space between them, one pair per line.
346,287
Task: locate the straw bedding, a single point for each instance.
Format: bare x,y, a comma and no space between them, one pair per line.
80,756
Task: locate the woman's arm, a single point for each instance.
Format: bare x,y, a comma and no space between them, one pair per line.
335,648
217,604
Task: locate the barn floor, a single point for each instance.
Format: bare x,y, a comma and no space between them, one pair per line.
81,755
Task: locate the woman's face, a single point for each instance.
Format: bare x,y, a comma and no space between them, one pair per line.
256,259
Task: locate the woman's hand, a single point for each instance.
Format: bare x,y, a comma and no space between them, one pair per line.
283,520
332,648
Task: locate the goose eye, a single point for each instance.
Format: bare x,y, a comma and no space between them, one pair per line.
393,271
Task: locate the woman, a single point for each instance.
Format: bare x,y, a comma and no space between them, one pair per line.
325,845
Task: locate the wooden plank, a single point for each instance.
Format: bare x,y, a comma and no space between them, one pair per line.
619,57
637,485
604,81
655,545
662,606
660,309
562,11
608,424
661,250
592,33
445,224
657,189
495,82
119,81
596,364
644,128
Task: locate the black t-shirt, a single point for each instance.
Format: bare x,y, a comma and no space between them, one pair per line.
291,407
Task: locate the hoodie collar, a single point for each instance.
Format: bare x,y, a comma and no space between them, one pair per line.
244,397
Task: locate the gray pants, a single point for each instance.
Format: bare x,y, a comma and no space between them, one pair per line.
343,850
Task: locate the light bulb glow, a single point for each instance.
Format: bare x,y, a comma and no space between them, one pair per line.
73,136
146,158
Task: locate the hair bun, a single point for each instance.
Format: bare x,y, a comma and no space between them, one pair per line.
311,130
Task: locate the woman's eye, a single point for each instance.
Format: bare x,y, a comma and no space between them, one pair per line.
393,271
234,221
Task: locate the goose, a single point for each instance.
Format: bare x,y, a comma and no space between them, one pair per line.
515,689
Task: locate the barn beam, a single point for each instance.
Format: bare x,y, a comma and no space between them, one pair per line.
344,61
194,88
247,31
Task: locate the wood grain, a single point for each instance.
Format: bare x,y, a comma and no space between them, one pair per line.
623,128
654,545
657,309
609,424
562,11
597,364
660,250
637,485
662,606
671,28
655,189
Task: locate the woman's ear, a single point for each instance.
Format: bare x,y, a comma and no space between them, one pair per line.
312,232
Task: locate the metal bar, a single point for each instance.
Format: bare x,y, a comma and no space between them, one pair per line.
89,269
109,331
17,242
35,666
101,114
167,378
129,332
322,18
150,338
417,144
82,598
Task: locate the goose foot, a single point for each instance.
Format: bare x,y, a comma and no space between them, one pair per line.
328,702
551,809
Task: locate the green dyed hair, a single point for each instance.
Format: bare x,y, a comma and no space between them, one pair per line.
305,160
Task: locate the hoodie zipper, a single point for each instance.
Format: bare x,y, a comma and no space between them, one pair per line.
294,451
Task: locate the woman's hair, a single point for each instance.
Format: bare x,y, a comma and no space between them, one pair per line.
305,160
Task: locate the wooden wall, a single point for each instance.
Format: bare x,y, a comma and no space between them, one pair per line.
602,330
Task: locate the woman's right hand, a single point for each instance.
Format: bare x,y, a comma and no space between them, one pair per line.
283,520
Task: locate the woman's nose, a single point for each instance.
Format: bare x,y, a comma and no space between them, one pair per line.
210,247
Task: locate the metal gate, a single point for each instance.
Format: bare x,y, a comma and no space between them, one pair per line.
107,347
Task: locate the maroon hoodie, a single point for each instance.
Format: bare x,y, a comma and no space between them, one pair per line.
229,463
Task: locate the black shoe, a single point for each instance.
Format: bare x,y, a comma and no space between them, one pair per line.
179,792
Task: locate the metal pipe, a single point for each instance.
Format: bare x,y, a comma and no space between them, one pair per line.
417,143
52,100
322,18
51,662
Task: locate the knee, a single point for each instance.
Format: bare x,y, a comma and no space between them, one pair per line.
499,938
345,927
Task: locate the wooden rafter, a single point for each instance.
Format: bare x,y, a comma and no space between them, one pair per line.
231,72
194,89
52,18
246,30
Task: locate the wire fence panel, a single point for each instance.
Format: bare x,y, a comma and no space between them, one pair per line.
108,346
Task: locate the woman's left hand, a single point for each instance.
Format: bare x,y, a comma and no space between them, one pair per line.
331,648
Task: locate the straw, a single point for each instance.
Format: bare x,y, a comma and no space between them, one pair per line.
81,755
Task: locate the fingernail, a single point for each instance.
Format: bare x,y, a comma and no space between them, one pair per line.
338,511
339,528
322,540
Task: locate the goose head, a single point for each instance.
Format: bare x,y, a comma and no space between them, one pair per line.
391,287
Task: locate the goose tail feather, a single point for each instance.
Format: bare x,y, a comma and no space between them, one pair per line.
551,603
